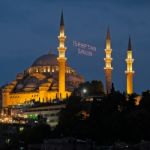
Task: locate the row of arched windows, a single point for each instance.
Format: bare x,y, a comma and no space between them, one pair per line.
48,70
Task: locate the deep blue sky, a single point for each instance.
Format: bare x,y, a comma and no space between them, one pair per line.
29,28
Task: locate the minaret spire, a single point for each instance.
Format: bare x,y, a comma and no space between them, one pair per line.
129,44
62,59
108,39
62,19
62,25
108,68
129,72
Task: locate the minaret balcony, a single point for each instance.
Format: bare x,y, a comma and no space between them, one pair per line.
108,51
61,59
62,48
129,72
61,37
108,68
108,59
128,60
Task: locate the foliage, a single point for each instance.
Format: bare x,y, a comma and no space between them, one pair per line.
93,88
114,118
35,134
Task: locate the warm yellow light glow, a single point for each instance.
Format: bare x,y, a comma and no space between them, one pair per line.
43,93
62,63
108,59
10,99
129,72
108,67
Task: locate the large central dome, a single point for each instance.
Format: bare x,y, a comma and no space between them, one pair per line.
46,60
44,71
47,63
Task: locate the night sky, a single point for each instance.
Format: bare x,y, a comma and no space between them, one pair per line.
29,29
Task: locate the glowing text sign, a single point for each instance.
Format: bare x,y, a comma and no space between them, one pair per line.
84,49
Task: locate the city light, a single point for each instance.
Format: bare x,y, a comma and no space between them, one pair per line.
84,91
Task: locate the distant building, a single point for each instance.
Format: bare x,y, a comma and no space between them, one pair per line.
50,112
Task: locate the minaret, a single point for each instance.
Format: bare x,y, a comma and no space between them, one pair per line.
62,59
129,72
108,68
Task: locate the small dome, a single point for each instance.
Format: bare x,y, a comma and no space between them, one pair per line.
46,60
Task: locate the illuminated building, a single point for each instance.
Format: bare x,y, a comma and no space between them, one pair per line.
49,112
108,68
48,78
129,72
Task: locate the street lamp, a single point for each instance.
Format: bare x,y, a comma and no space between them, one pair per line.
84,91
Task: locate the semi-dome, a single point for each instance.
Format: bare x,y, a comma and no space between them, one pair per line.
46,60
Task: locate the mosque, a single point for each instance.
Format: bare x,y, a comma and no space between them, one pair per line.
48,78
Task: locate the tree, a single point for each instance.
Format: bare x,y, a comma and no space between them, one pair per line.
93,88
36,133
69,116
145,101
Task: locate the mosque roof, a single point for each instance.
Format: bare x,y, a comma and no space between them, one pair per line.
46,60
